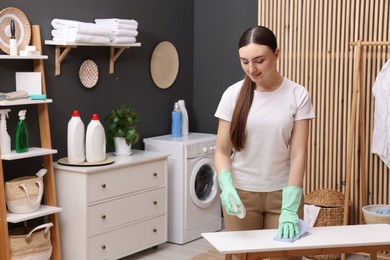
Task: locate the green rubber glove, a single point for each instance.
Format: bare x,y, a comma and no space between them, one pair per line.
289,220
226,184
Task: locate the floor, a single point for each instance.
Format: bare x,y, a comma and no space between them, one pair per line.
170,251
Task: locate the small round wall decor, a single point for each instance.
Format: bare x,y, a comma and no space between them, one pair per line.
89,74
164,64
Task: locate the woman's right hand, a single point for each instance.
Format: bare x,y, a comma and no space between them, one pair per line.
229,195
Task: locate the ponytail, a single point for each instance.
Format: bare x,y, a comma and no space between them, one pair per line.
240,114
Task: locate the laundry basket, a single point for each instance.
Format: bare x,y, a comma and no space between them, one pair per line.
371,216
331,213
28,243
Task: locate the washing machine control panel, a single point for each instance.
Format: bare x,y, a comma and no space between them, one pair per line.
199,149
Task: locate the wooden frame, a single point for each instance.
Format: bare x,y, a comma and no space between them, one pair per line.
314,38
49,180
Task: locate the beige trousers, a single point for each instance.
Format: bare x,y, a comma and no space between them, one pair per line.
262,212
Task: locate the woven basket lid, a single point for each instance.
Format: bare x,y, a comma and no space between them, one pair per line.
325,198
89,73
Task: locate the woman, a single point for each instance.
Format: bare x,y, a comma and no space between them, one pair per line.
262,141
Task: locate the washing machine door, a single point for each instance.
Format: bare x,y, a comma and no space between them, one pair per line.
203,183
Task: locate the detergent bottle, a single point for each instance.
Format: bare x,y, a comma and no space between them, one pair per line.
5,139
21,133
176,121
184,124
76,139
95,142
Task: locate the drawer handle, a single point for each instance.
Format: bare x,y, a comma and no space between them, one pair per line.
104,247
104,217
154,230
104,186
155,202
155,174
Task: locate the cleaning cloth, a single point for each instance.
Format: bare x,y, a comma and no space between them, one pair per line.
303,231
385,211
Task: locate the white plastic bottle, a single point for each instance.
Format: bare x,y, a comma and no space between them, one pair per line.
95,141
184,123
76,139
5,139
13,44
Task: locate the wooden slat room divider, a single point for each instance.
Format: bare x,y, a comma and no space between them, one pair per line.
314,37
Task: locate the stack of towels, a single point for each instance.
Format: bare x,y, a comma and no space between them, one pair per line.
103,31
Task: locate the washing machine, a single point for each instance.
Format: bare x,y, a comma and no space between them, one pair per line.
194,205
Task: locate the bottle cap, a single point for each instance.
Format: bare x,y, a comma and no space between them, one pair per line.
75,113
22,114
95,117
4,113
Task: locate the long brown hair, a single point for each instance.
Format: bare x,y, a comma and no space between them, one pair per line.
258,35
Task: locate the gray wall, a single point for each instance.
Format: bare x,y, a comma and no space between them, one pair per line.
218,27
205,34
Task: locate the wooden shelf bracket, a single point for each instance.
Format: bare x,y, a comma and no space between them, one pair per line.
61,56
67,46
114,56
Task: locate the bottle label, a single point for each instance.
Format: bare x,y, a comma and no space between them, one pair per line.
176,124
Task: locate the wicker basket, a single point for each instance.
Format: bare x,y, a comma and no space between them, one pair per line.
27,243
331,212
371,217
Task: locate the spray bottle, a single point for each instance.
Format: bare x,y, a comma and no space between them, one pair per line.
21,133
5,139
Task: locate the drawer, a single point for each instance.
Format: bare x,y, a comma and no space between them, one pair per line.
128,240
121,211
126,180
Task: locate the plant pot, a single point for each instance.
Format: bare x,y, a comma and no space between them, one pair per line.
121,147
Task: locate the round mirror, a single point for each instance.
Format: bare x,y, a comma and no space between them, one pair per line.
164,64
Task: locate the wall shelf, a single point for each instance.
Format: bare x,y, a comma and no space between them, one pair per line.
18,102
21,57
115,51
32,152
43,210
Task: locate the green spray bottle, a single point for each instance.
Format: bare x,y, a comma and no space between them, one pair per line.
21,133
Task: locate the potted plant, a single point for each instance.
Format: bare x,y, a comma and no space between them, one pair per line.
121,129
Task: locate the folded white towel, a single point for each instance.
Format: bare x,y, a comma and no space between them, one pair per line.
75,27
82,38
122,32
120,26
63,23
121,39
116,21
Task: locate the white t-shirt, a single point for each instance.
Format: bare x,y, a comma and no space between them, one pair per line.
381,131
264,164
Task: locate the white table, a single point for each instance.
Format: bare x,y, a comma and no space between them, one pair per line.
258,244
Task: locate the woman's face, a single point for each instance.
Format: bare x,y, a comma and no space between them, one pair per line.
258,62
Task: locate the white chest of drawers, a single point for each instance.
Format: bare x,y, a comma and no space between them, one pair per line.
114,210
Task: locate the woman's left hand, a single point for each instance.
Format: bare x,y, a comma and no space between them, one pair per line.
289,220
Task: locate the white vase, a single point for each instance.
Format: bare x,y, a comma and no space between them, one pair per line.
121,147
